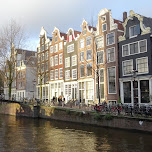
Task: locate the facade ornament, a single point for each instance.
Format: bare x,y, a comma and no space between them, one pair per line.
145,30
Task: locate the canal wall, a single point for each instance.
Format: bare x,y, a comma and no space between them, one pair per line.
77,116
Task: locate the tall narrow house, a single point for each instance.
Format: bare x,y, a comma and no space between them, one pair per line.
56,68
135,60
43,66
106,40
70,66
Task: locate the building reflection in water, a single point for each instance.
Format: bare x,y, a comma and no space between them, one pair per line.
33,135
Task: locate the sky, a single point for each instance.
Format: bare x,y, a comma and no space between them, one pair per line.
63,14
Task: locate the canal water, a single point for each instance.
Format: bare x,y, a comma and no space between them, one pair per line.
33,135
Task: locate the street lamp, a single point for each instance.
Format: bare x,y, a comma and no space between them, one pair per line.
134,72
34,83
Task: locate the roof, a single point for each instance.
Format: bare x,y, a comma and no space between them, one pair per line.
119,23
64,35
76,33
94,28
27,53
147,21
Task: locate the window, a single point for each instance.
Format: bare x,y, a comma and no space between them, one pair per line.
88,40
61,73
127,92
82,56
42,67
56,59
51,61
74,60
70,48
127,67
134,48
142,65
51,49
100,42
42,57
111,80
46,66
134,30
74,73
89,57
56,48
111,55
60,58
56,73
46,46
81,43
125,50
38,50
84,32
110,38
144,90
46,55
99,57
81,70
38,68
60,46
143,46
42,47
56,38
67,75
104,27
89,90
89,69
52,74
67,62
68,89
42,40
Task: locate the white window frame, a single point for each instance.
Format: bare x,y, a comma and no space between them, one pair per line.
80,56
123,68
97,42
88,37
74,57
66,59
107,37
81,43
51,61
102,27
138,48
52,75
56,70
87,55
130,32
115,80
103,57
51,49
60,73
74,70
60,46
61,58
114,54
56,59
147,64
67,71
70,48
56,48
80,71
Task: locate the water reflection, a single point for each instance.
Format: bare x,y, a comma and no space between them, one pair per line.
32,135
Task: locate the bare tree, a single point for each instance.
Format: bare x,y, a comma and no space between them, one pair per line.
11,35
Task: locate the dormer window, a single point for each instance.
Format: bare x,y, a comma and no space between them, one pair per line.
70,38
84,31
134,30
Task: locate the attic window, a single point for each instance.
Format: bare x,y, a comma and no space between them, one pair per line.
103,18
84,32
134,31
56,39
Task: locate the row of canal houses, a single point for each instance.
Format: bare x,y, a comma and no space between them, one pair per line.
109,62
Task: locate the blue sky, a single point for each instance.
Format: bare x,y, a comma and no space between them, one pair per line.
64,14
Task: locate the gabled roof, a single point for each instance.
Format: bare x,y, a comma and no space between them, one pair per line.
119,23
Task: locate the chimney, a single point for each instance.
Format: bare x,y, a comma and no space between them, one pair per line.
124,16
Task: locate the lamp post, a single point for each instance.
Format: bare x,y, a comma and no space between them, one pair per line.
34,83
134,87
